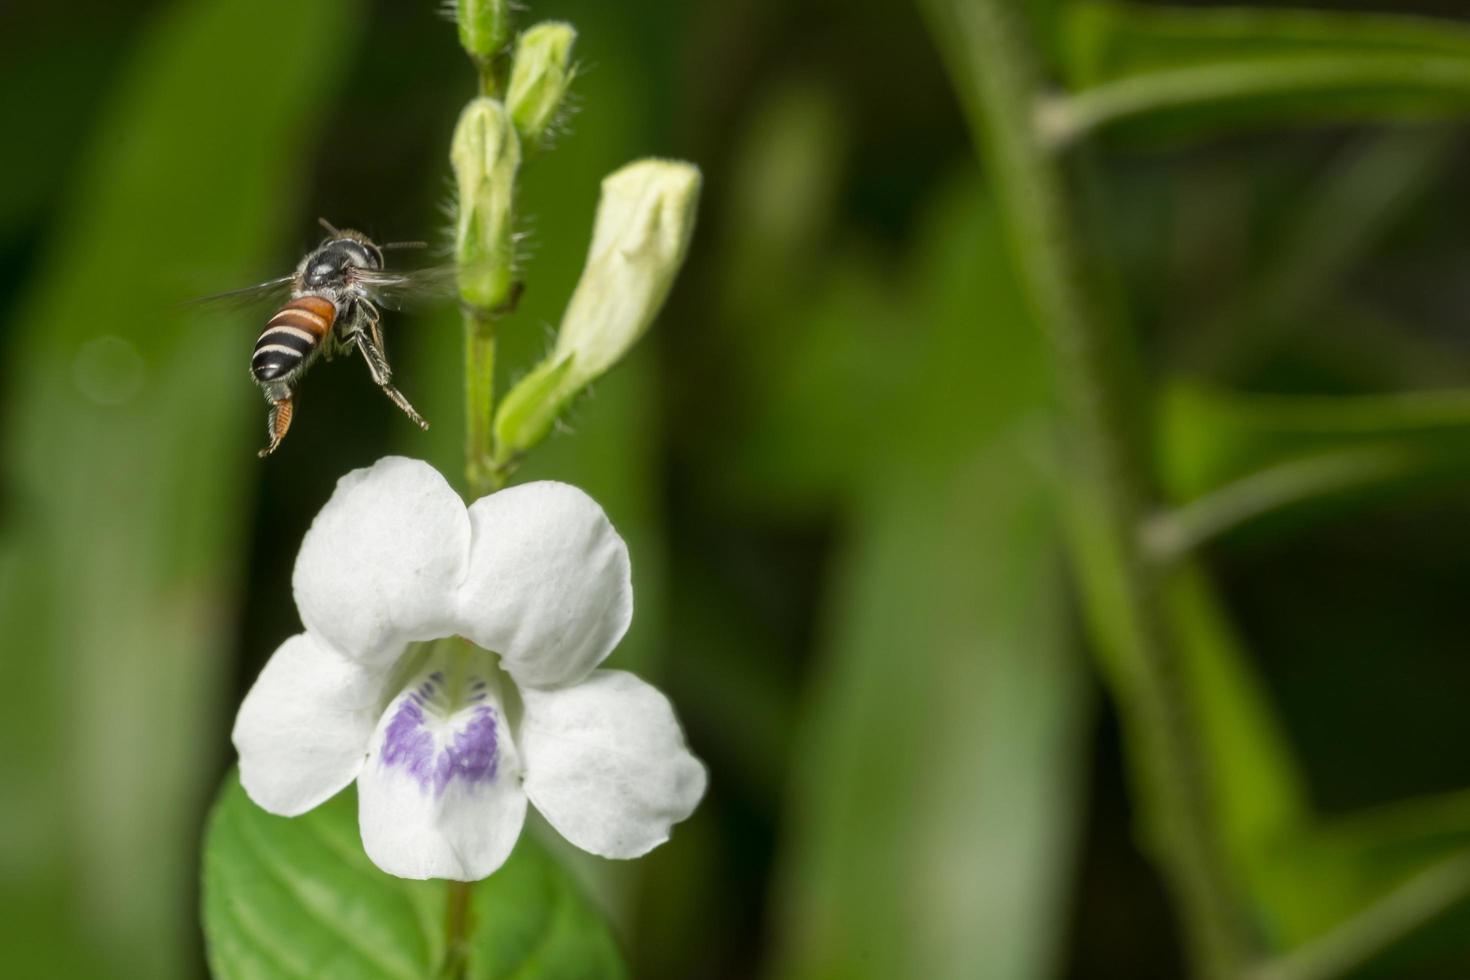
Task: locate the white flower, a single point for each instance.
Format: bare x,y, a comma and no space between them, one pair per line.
448,741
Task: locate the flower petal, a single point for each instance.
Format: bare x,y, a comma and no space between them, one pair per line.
606,764
381,562
549,585
440,795
303,730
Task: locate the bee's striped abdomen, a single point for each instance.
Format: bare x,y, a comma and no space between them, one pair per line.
291,336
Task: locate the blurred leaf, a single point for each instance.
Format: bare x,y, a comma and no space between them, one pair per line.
1325,233
70,85
1191,71
939,776
1312,881
1259,794
1416,928
128,473
298,897
888,361
780,202
1306,877
1231,458
939,768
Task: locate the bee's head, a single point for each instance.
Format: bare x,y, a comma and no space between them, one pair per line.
328,265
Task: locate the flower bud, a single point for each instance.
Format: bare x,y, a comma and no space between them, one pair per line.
484,26
644,221
532,407
486,154
539,78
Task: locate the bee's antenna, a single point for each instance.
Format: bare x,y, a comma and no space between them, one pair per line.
404,245
331,228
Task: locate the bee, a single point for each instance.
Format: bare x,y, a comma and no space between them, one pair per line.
335,307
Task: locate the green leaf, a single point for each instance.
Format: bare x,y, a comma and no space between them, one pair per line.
130,431
1230,459
1259,793
1306,878
939,769
939,774
1190,70
298,897
1311,881
899,363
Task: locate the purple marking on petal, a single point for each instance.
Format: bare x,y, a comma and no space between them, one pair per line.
407,744
473,755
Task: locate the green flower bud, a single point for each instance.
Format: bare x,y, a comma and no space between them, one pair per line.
486,154
539,78
644,221
484,26
531,408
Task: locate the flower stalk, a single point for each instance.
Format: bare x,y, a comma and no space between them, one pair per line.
457,929
487,193
485,154
1108,493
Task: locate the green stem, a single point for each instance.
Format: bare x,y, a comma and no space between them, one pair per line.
483,472
479,384
1065,119
456,930
483,477
1170,535
998,79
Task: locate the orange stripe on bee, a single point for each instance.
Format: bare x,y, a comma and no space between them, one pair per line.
310,313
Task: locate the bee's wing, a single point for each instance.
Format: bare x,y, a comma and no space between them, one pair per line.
398,288
246,296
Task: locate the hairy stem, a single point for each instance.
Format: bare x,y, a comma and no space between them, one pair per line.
479,384
482,475
997,77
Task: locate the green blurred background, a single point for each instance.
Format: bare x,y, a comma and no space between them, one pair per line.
828,457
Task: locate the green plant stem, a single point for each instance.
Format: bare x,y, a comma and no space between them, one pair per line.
483,476
1106,476
457,929
481,471
1170,535
1065,119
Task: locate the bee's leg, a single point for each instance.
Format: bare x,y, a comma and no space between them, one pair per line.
279,419
370,341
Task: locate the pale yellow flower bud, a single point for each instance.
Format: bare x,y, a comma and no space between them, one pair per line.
539,78
644,222
484,26
485,153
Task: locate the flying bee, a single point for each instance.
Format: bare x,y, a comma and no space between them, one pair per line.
336,295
